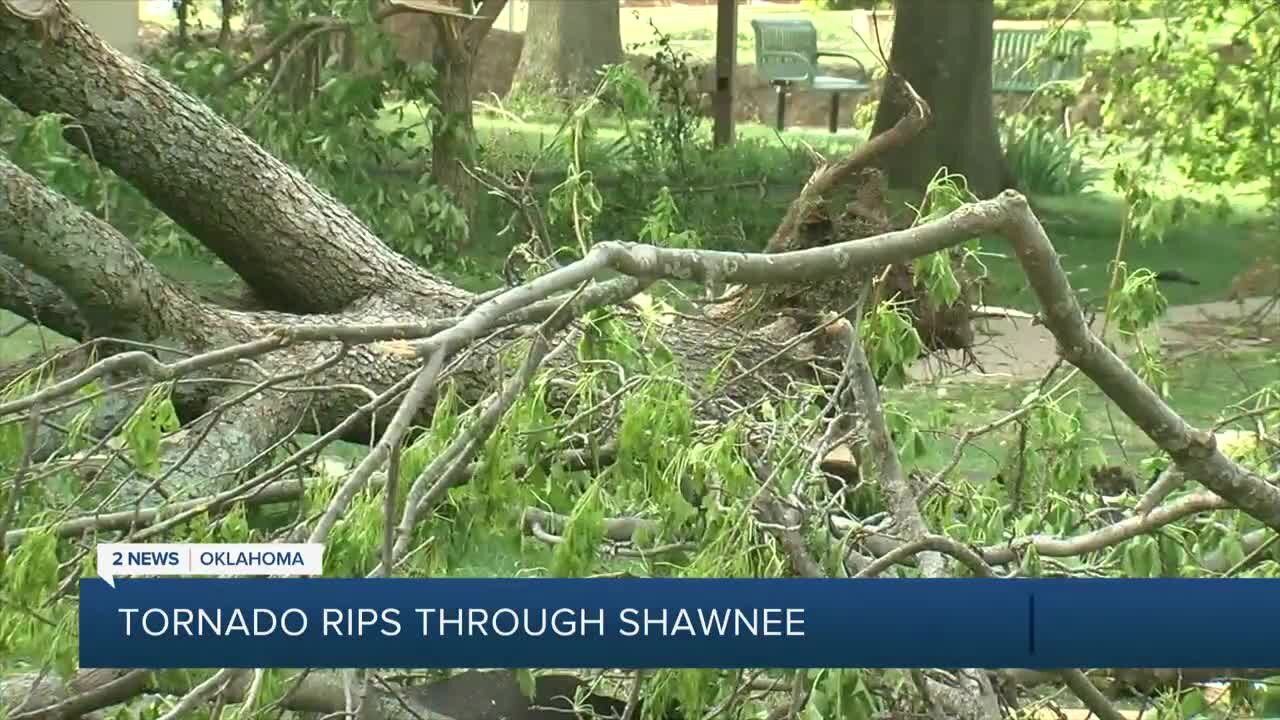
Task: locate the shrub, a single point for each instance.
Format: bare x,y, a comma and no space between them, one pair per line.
1045,161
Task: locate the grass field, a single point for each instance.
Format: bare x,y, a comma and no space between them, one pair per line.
1085,229
1203,387
692,28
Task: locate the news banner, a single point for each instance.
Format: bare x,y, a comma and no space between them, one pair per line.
254,606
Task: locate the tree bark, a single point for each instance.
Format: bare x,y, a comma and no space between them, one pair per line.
297,248
944,51
34,298
224,28
453,135
566,43
116,291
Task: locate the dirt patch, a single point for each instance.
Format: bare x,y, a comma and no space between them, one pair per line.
1018,349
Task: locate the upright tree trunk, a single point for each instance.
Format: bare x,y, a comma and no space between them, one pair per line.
224,30
183,9
566,43
944,50
454,136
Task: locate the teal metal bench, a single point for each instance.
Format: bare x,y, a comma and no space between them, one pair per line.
1061,59
787,56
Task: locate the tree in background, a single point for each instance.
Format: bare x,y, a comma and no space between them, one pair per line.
315,44
566,43
453,135
228,10
944,51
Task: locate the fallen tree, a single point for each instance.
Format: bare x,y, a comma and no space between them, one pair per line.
358,343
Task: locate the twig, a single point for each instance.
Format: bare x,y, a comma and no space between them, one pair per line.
200,693
389,509
413,400
901,496
113,692
633,696
434,480
144,363
19,479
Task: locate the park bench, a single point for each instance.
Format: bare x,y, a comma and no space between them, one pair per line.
1047,57
787,56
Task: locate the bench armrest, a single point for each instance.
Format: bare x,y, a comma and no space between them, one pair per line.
847,56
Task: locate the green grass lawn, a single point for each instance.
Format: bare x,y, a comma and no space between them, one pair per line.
1084,229
1204,388
692,28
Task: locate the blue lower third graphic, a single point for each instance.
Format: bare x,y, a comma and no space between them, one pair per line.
633,623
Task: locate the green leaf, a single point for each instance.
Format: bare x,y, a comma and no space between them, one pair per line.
528,683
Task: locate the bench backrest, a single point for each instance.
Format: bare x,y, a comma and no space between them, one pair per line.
786,49
1062,59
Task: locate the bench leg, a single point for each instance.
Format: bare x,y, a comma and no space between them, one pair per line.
834,121
782,106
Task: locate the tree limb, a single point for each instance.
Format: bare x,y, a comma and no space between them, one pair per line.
117,291
294,245
30,296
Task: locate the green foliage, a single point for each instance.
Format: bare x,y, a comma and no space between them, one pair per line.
40,146
1044,161
576,555
1138,303
1066,449
29,627
660,225
892,341
936,272
1074,9
1217,119
154,418
674,119
1150,214
836,4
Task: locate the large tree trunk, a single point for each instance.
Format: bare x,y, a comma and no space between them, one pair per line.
566,43
943,49
454,135
228,10
296,247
